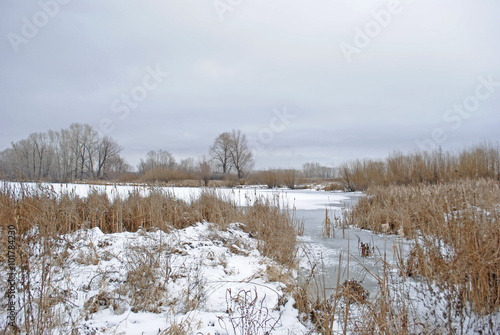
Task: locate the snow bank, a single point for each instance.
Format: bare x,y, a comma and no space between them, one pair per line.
149,282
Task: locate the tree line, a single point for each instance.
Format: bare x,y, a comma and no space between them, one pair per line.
78,152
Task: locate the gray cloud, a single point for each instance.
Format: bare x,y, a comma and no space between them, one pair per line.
234,73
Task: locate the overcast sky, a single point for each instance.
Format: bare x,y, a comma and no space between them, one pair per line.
305,80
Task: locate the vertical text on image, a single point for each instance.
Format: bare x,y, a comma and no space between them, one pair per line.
12,275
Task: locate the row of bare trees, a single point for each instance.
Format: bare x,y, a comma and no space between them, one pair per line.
78,152
162,166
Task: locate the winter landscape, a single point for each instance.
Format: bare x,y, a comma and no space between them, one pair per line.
230,167
406,257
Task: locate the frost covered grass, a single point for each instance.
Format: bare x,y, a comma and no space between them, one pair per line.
455,258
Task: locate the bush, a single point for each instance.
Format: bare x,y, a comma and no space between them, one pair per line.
163,174
276,178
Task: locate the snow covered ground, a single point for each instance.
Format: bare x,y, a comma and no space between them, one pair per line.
206,281
194,274
199,279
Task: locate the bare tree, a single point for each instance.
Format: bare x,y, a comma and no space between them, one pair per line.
108,152
316,170
63,155
77,148
72,153
220,152
22,159
31,158
116,165
240,153
91,146
41,155
187,165
6,163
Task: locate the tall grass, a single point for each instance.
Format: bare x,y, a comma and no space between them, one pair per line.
267,220
42,217
275,178
164,174
480,161
274,226
456,231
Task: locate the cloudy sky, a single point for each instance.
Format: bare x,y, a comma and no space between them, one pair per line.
305,80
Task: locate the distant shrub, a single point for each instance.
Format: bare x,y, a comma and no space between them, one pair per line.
164,174
276,178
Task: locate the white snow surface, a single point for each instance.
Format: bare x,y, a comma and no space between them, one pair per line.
306,199
196,270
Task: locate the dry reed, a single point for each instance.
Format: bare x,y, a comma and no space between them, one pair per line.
456,233
275,178
41,217
480,161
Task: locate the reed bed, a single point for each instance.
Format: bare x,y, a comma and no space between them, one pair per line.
266,220
479,161
42,218
456,233
273,178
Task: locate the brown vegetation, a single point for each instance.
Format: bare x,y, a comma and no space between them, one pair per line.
166,175
480,161
275,178
456,232
41,218
42,208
